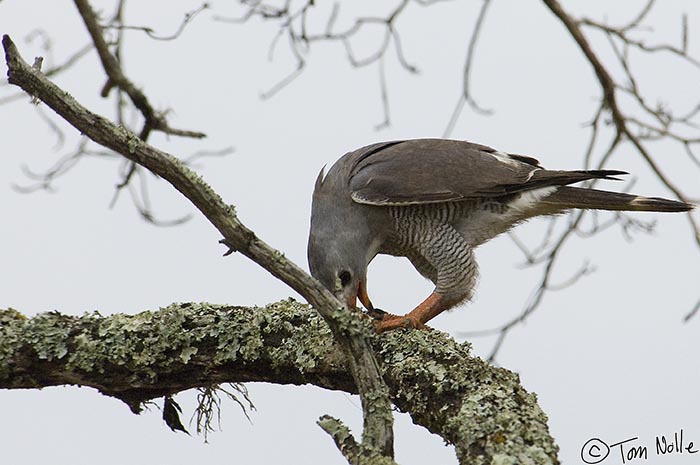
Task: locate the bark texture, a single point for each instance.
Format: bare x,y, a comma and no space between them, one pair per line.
482,410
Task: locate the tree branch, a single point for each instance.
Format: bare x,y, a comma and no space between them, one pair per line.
349,330
294,25
609,101
465,94
627,128
116,78
481,409
341,435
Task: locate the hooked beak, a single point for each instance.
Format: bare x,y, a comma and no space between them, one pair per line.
360,293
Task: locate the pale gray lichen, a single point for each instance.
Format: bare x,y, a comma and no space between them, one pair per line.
482,410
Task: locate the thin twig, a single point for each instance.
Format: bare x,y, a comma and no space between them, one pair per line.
466,95
189,16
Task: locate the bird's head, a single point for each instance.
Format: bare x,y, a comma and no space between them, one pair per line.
339,243
332,262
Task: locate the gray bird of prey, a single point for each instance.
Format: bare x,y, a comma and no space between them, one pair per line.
434,201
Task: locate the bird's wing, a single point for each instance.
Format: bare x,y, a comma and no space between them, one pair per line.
435,170
440,170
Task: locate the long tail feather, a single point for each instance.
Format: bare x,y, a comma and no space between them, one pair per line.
577,197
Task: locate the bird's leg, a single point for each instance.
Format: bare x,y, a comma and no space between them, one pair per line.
416,318
442,255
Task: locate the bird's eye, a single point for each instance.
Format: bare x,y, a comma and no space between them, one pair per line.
345,278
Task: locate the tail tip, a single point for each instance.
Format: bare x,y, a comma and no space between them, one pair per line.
660,205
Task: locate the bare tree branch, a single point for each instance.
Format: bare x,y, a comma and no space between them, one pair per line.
50,71
609,98
692,312
189,16
466,95
109,51
349,329
154,120
294,26
629,126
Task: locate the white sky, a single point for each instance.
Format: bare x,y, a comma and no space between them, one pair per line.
608,358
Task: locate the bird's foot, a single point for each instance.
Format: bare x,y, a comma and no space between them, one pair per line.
416,318
388,321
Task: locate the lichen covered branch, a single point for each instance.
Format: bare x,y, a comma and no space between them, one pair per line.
481,409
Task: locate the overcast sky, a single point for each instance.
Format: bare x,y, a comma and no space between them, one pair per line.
608,358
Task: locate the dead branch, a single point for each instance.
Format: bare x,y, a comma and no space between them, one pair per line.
116,78
294,26
636,125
